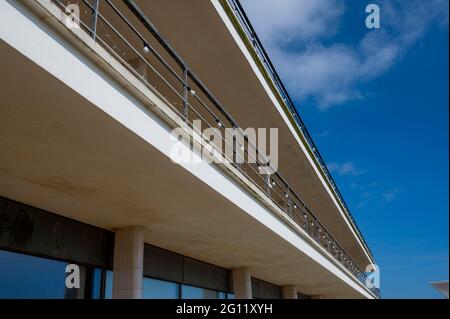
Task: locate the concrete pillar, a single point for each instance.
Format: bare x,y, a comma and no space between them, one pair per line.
289,292
242,283
128,263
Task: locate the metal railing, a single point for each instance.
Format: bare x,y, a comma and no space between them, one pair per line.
134,41
251,35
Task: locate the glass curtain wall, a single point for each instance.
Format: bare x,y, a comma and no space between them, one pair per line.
29,277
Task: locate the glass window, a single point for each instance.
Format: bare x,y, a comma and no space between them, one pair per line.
108,284
159,289
189,292
96,283
25,277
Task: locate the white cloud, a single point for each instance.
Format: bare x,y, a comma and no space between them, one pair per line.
293,32
323,133
363,186
391,194
373,184
361,205
366,194
284,21
345,169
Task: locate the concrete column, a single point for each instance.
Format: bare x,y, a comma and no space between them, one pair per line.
128,263
289,292
242,283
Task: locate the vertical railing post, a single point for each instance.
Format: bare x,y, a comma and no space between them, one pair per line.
235,154
238,149
289,201
305,219
316,230
94,18
185,95
319,233
268,185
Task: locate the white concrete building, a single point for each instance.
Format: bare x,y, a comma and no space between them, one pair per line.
86,176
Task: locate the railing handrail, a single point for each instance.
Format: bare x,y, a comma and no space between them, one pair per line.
267,63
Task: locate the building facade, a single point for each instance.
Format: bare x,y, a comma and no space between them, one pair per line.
92,91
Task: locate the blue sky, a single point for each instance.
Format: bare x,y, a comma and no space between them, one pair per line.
376,103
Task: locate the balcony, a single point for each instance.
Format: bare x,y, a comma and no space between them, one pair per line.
122,29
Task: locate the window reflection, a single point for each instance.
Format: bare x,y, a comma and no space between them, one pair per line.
189,292
96,283
25,277
158,289
108,284
222,295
